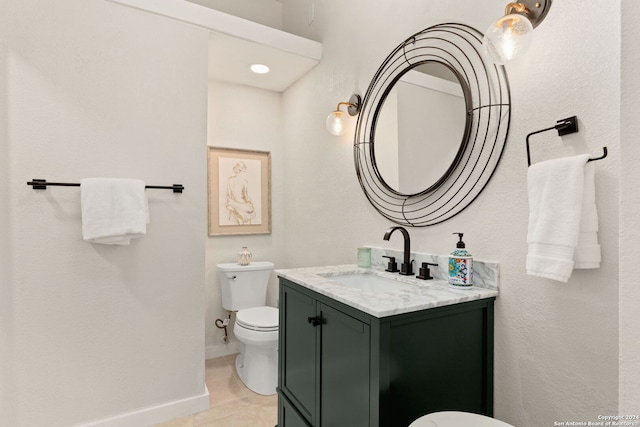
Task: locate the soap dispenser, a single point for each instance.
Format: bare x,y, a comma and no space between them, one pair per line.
460,266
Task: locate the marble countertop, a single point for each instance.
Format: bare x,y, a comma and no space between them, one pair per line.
424,294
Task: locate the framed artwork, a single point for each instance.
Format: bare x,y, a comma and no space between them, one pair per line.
239,191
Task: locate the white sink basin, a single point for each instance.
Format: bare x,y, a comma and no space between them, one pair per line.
370,282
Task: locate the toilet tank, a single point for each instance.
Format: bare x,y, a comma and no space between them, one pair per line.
244,286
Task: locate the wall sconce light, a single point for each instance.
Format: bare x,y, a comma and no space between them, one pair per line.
510,35
337,121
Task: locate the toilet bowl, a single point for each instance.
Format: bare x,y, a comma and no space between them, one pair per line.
457,419
257,364
244,290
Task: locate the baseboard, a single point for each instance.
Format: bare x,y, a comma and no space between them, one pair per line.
156,414
213,351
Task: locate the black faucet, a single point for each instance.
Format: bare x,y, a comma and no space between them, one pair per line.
406,268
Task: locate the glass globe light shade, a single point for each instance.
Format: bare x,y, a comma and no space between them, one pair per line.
509,37
337,123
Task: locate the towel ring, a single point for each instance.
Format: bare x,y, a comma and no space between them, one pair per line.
564,127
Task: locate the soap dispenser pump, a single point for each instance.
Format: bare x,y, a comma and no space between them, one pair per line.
460,266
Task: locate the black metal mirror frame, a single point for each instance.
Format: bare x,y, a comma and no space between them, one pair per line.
487,98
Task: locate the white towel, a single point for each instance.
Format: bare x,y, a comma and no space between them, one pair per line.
114,210
587,253
555,190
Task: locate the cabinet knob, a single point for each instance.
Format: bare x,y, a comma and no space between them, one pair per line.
315,321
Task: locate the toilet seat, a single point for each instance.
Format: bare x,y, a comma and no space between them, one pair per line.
457,419
261,319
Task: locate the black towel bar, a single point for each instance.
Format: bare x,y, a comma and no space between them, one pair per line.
564,127
41,184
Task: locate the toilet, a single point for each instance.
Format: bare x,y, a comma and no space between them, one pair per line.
457,419
244,290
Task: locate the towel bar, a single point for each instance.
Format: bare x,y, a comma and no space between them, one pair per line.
41,184
564,127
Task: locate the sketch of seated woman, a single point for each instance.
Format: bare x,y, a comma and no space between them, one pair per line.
239,203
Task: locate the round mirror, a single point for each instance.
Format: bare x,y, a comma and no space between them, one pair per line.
422,159
420,130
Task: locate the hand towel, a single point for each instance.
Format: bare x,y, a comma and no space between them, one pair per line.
555,190
587,254
114,210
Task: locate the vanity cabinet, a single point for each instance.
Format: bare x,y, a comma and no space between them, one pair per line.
339,366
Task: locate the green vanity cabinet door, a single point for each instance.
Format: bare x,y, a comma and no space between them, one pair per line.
297,351
324,364
445,362
288,415
344,370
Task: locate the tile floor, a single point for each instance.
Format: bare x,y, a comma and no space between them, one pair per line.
232,404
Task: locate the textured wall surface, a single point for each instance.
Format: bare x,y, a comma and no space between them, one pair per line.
5,227
556,343
266,12
95,89
629,217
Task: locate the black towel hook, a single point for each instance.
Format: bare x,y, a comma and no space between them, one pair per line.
564,127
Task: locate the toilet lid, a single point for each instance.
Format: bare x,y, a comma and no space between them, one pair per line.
457,419
258,318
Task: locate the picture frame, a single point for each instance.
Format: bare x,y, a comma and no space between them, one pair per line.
239,191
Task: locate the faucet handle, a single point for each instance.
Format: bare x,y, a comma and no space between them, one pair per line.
425,274
392,266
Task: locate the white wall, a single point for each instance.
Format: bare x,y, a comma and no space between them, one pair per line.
629,218
266,12
5,226
556,344
245,118
96,89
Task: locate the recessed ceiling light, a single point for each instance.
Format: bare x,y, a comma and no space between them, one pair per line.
259,68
